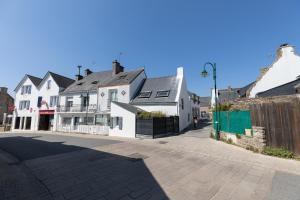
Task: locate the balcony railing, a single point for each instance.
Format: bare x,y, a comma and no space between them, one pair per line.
77,108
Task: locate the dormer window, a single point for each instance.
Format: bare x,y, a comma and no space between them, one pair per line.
163,93
145,94
48,84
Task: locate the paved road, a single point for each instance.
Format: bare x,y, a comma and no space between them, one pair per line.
29,146
190,166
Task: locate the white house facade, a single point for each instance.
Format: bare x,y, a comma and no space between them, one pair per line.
36,101
286,68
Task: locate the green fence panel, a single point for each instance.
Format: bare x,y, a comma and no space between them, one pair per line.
234,121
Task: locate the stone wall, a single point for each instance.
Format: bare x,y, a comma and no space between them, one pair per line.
256,142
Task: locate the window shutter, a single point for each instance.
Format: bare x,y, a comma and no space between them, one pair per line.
39,103
22,90
111,123
121,123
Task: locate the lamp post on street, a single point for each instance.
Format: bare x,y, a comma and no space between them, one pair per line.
204,73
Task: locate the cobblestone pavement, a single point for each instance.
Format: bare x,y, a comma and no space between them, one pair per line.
186,167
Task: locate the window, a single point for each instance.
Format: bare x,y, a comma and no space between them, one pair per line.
116,121
66,121
48,84
95,82
80,83
88,120
24,105
163,93
102,120
39,103
182,104
26,89
53,101
145,94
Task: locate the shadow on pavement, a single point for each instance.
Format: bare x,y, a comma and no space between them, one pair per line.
72,172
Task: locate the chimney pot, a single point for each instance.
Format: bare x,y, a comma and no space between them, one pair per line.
116,67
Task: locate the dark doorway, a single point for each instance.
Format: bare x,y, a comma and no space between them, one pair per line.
28,123
17,122
45,122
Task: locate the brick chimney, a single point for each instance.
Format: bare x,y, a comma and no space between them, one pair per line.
116,67
3,90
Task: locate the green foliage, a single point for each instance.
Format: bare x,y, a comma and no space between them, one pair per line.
238,136
278,152
229,141
149,115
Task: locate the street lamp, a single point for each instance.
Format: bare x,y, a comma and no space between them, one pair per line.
204,73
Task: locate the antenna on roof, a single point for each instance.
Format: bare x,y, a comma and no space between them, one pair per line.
120,54
79,67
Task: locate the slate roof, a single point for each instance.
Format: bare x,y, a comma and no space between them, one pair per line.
121,78
102,79
35,80
205,101
158,84
243,91
128,107
61,81
226,95
286,89
86,84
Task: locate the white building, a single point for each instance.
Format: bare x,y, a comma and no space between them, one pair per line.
107,102
85,106
285,69
36,101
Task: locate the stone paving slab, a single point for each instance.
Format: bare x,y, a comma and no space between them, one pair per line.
182,167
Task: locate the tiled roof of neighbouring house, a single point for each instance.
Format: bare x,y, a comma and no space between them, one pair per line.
121,78
154,85
286,89
128,107
226,95
62,81
205,101
35,80
243,91
89,83
102,79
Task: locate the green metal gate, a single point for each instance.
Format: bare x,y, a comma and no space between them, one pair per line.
234,121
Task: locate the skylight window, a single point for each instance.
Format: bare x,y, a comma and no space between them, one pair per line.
163,93
122,76
95,82
146,94
80,83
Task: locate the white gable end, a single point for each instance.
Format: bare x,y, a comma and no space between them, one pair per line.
284,70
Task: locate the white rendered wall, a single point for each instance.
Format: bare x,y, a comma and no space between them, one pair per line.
33,110
129,121
184,122
284,70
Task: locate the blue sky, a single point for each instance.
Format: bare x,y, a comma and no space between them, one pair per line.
57,35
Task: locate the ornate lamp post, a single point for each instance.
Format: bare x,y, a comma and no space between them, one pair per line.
205,74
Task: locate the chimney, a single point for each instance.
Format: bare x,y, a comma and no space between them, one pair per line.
87,72
3,90
116,67
229,88
78,77
180,72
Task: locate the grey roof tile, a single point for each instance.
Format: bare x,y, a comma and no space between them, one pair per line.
158,84
285,89
35,80
61,81
128,107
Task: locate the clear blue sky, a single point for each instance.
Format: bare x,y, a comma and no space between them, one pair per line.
57,35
